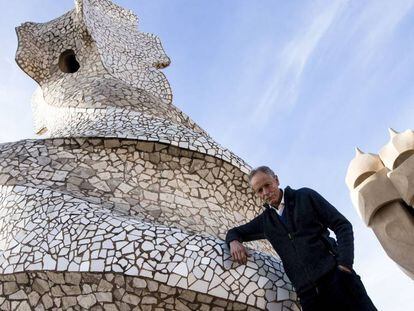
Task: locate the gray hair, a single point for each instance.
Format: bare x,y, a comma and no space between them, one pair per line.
263,169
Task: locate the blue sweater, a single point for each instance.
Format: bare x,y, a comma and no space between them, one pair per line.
303,242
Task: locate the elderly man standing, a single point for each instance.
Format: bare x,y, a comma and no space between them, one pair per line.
296,223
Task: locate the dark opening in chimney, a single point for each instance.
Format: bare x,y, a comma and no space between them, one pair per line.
68,62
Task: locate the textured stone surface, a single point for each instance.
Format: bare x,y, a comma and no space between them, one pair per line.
124,203
382,190
78,236
127,298
169,191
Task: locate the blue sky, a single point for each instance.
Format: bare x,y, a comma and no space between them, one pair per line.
295,85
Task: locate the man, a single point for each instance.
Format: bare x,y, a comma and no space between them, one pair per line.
296,223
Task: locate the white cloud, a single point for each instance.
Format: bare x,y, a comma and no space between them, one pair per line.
376,23
282,90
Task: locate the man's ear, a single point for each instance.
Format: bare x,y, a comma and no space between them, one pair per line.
277,180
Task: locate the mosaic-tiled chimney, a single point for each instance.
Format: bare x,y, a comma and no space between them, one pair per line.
124,201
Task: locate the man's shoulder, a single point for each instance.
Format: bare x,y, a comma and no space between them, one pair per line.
304,191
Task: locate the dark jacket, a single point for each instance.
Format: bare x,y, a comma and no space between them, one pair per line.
303,243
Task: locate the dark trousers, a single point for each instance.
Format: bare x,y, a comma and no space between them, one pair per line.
337,291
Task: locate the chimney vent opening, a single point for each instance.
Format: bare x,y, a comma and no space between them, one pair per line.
68,62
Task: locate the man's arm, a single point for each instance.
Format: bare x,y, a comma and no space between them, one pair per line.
251,231
334,220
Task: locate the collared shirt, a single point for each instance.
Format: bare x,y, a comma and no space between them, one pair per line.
281,205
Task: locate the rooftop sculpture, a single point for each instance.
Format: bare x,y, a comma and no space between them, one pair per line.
382,190
124,200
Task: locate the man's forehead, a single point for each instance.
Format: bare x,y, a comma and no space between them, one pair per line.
259,179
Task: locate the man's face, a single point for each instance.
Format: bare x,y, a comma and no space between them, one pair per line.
266,187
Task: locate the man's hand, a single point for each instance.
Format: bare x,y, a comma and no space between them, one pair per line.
238,252
345,269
